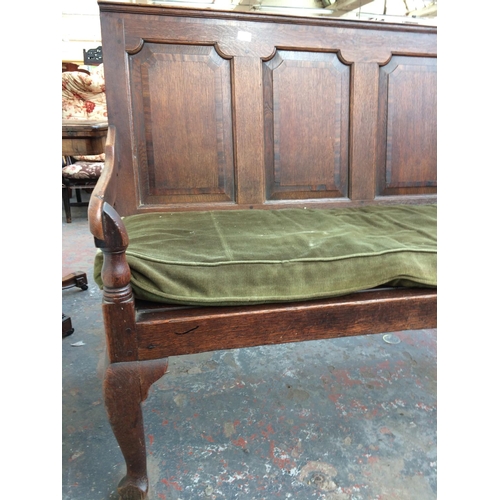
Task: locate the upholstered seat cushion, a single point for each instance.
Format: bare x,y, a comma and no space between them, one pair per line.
256,256
83,170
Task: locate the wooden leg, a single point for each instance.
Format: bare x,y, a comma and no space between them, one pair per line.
126,385
67,327
67,206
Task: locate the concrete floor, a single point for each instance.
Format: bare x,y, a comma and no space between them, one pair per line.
342,419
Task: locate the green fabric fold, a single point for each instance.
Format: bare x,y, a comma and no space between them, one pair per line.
236,257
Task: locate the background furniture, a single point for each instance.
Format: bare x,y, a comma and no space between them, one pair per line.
93,57
68,66
79,280
81,139
84,138
75,177
217,111
84,130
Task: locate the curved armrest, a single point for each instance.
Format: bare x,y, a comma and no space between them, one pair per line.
109,231
104,222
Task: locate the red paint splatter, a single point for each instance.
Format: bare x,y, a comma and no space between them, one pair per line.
162,496
383,366
151,439
239,442
334,397
345,379
172,484
271,449
208,438
282,461
269,431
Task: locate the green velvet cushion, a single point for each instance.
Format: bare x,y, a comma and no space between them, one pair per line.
256,256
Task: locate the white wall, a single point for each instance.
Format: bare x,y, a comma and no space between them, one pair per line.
81,28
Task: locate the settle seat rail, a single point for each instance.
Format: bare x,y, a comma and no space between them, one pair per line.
212,110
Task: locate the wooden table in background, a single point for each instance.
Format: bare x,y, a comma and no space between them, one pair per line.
83,137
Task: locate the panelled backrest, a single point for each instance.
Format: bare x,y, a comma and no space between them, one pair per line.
221,110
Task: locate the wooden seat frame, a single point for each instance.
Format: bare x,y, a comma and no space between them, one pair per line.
258,71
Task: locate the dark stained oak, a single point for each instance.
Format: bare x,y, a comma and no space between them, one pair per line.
182,157
126,386
306,96
268,111
215,110
407,139
164,331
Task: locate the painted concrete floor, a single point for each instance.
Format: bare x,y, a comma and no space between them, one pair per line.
341,419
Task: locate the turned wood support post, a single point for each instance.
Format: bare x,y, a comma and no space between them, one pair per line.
118,301
115,271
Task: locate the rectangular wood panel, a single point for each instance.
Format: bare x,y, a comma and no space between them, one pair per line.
183,124
306,102
407,149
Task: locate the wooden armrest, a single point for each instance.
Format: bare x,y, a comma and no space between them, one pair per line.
109,231
105,223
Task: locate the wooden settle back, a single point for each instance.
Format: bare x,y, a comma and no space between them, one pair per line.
223,110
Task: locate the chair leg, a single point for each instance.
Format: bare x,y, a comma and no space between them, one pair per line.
78,192
67,327
126,385
67,206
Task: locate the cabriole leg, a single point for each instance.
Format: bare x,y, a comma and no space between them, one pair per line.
126,386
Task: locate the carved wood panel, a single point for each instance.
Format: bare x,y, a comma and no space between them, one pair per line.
407,141
181,102
306,123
